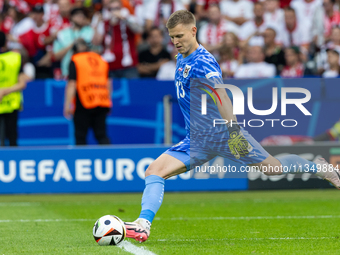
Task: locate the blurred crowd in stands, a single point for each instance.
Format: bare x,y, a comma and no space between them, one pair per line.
250,39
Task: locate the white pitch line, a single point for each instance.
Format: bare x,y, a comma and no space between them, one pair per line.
46,220
256,217
19,204
129,247
246,239
193,218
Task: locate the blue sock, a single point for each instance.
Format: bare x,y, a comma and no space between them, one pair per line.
294,164
152,197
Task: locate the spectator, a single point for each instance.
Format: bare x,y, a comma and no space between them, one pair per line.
42,41
151,59
61,19
305,10
21,34
139,9
294,33
20,6
167,70
158,12
51,10
273,14
92,102
274,53
294,67
255,26
13,82
211,34
9,20
27,67
34,2
324,19
118,37
201,8
334,43
105,13
256,67
62,46
231,41
228,63
237,11
333,62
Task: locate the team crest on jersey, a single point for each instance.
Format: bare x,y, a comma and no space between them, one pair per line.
186,71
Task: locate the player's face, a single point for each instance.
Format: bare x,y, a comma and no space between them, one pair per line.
184,38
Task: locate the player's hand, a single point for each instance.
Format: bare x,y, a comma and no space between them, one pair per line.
238,144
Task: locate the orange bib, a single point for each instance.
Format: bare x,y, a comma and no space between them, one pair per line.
92,80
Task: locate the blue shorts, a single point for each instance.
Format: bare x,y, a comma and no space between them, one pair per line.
197,156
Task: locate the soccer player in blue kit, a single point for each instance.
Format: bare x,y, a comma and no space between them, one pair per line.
194,61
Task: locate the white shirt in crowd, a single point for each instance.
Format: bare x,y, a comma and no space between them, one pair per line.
322,58
299,36
230,66
241,8
153,6
256,70
167,71
330,74
305,12
213,34
249,28
275,19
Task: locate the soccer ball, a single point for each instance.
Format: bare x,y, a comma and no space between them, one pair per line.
109,230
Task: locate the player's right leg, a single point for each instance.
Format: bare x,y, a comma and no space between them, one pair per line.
168,164
292,164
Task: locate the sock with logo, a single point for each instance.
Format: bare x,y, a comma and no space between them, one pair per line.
152,197
294,164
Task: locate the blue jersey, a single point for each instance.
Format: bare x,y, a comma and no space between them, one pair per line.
202,67
196,75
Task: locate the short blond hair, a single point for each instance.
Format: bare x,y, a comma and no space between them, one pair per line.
181,17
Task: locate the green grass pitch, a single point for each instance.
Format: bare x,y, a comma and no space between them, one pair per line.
261,222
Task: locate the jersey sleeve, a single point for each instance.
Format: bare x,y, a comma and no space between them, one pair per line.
209,70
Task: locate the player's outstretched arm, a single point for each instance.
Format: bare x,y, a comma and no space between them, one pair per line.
226,109
238,144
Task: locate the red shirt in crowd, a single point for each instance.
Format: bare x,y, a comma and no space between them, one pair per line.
293,71
122,45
